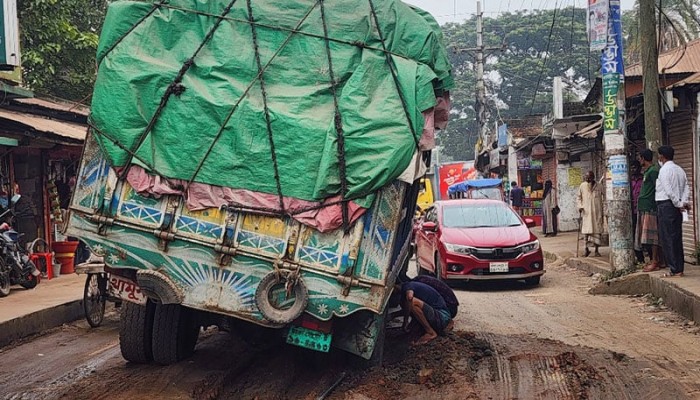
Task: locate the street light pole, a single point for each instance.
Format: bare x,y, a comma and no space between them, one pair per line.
481,117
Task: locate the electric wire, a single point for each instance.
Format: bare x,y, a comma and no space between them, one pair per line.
546,55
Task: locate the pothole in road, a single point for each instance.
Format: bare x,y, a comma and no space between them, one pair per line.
462,365
468,365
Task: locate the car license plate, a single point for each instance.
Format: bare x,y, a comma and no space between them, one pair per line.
498,267
314,340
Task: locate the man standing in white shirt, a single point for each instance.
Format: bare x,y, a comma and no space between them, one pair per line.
672,195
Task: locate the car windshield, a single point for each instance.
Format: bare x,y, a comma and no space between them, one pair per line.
479,216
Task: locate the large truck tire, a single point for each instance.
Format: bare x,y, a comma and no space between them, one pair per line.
377,358
135,332
175,333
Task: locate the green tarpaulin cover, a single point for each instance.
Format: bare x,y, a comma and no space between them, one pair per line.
214,124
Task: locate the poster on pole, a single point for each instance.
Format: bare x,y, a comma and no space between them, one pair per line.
611,58
597,24
617,166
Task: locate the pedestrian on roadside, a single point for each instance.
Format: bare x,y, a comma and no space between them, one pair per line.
636,181
517,194
550,211
646,234
672,194
425,304
590,207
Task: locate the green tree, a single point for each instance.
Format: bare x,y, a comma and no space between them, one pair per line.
538,45
459,139
678,23
59,42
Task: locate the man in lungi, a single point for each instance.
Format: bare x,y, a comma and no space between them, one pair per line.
647,223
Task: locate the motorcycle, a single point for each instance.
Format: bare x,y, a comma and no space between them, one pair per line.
15,266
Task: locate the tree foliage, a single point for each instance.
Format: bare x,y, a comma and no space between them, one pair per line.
678,22
59,41
537,45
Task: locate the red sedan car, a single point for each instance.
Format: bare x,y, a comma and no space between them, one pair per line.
475,239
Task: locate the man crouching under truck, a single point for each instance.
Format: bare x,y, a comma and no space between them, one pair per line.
427,306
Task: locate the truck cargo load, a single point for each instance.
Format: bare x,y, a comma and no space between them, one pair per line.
257,162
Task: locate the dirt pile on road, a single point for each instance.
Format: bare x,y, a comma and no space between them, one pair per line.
580,376
447,363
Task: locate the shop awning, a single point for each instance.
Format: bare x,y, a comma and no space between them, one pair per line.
63,106
691,80
590,131
12,91
47,129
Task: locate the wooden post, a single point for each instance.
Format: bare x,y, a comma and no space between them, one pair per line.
650,73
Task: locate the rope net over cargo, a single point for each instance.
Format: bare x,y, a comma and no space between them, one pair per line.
295,108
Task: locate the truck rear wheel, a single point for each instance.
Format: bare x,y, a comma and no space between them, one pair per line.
377,358
175,333
135,332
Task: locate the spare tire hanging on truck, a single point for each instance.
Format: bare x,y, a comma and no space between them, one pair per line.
266,288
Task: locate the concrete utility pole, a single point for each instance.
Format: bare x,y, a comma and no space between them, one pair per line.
617,183
481,116
650,73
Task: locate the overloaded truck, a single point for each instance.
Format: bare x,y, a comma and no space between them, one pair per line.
253,164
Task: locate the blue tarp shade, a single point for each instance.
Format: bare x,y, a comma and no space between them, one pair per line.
477,183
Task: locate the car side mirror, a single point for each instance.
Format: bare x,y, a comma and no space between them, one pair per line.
429,226
530,223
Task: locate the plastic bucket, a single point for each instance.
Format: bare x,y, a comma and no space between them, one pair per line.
65,254
56,270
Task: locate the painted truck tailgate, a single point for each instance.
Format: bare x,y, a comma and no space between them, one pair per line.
216,257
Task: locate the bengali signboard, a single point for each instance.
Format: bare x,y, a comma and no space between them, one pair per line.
611,113
449,174
597,24
611,58
9,35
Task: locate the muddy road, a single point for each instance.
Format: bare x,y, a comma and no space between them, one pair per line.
512,342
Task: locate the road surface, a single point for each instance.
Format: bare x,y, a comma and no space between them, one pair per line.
511,341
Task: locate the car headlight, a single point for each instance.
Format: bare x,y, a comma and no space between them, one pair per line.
530,247
458,249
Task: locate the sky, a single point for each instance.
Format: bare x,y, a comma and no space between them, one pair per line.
458,10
